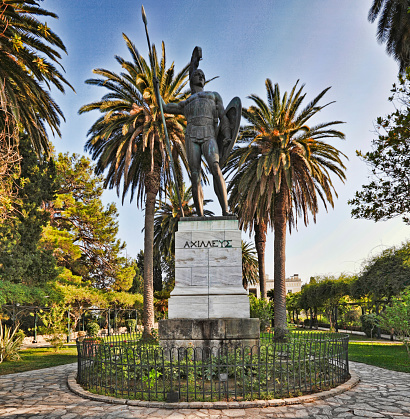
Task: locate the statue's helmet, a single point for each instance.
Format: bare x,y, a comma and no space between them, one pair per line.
193,67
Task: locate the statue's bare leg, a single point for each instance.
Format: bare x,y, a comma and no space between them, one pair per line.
210,150
220,187
194,161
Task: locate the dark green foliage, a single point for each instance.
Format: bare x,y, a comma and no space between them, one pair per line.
93,328
393,28
61,229
382,278
263,310
157,279
22,260
327,293
12,293
83,233
168,267
293,306
369,323
140,262
9,160
138,278
309,298
385,275
387,195
396,317
137,286
131,325
331,292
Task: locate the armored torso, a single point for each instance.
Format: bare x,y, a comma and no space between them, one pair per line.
202,117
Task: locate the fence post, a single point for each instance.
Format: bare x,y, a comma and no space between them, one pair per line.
79,353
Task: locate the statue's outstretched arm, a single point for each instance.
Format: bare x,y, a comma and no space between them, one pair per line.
174,108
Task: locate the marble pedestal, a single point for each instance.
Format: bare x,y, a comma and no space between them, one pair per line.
209,333
208,286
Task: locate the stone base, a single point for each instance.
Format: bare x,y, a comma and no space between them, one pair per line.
209,306
202,333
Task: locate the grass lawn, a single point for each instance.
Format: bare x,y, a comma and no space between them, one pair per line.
379,352
392,356
37,358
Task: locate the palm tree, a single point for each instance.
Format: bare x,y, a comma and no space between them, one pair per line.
284,170
28,51
393,28
128,142
249,265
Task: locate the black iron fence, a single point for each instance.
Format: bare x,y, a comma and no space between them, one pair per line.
305,363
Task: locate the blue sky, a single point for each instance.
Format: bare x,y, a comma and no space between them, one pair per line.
321,43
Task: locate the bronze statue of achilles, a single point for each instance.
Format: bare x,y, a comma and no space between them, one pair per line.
211,132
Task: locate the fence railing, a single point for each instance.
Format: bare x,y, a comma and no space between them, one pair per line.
305,363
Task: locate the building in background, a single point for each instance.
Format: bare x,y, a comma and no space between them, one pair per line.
293,284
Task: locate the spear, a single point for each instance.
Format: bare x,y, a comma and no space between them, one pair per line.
159,101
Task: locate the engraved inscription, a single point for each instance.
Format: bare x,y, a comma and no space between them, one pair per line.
189,244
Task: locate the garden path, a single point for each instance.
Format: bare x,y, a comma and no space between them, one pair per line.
44,394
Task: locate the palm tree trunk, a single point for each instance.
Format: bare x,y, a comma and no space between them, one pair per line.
279,275
260,241
152,182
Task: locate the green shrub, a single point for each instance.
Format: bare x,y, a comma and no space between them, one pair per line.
10,343
131,325
369,323
262,310
19,335
54,325
93,328
396,317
